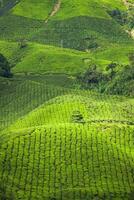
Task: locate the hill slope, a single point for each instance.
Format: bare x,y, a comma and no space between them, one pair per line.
68,162
90,18
47,155
40,59
57,140
68,9
90,29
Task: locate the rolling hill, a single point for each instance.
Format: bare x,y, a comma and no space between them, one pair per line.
59,141
91,29
94,24
47,152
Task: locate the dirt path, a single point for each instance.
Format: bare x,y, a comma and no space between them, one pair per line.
54,11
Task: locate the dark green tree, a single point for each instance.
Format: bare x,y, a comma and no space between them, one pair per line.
77,117
111,67
92,75
119,16
92,78
4,67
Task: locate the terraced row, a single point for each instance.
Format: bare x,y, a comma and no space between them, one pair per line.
68,162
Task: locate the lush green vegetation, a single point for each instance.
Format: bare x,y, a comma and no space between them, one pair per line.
34,10
118,79
75,8
67,114
41,136
69,162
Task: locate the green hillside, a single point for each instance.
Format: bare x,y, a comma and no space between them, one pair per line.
68,162
91,107
32,9
38,58
66,100
89,28
68,9
92,23
50,155
47,151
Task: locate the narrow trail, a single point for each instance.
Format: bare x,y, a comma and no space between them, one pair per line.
54,11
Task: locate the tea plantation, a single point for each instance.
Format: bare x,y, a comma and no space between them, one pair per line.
59,140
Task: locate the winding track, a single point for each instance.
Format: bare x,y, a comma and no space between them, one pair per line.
54,11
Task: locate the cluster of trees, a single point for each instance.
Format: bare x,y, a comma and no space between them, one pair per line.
114,81
123,17
119,16
123,82
93,78
5,68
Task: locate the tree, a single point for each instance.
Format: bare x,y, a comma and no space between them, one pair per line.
93,78
111,67
23,43
92,75
4,67
123,82
119,16
77,117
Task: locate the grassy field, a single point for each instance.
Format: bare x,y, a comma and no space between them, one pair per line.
58,141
